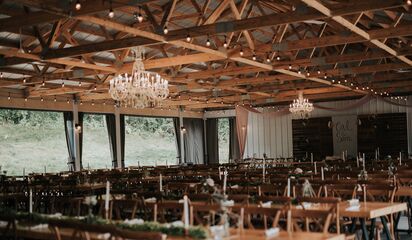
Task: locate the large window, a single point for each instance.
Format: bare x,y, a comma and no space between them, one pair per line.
149,141
223,135
96,148
32,140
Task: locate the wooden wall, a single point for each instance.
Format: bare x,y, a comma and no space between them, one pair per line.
386,131
312,136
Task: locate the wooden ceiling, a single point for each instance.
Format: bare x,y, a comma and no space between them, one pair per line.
328,49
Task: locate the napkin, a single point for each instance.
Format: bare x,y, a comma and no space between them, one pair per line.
271,232
150,200
228,203
267,204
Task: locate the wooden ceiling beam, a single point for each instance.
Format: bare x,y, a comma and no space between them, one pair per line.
54,10
352,27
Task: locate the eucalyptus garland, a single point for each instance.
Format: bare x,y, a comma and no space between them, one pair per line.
36,218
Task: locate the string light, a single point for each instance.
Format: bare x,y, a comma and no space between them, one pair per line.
268,58
326,76
139,15
43,83
165,30
80,84
307,73
55,99
42,99
241,51
104,103
81,102
290,66
318,71
299,71
78,5
24,80
225,43
95,87
92,102
409,2
111,12
62,84
208,42
188,38
68,101
1,74
254,57
9,97
25,99
278,57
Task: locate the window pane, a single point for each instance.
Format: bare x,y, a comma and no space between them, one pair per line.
149,140
32,140
223,134
96,148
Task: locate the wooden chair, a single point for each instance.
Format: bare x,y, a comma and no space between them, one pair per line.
316,217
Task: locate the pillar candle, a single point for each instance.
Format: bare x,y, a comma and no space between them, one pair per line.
364,161
220,173
311,158
288,189
376,154
264,169
400,158
357,161
224,182
322,174
186,211
107,199
316,169
160,183
30,201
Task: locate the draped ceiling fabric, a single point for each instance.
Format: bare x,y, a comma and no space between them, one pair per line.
193,140
212,140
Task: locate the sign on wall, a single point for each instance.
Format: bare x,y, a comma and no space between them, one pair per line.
345,130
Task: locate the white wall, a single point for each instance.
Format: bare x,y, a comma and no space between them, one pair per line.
273,135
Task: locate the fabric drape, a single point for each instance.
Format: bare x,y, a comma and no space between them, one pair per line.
233,140
176,125
193,140
212,140
122,138
111,132
242,115
68,129
80,122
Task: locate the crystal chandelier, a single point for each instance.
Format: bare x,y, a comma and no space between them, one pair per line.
142,88
301,106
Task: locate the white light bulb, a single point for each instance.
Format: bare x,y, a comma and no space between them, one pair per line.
111,13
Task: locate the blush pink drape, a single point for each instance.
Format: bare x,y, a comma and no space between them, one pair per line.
242,115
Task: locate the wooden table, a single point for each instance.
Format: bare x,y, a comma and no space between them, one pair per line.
248,234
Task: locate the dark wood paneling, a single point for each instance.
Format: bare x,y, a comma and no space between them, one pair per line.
313,136
386,131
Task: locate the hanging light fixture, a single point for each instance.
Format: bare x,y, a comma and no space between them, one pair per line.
78,5
142,88
301,106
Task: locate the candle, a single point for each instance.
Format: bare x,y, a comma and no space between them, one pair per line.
316,169
264,169
106,200
357,161
288,189
376,154
224,182
322,174
160,183
311,158
186,211
30,201
220,173
364,160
